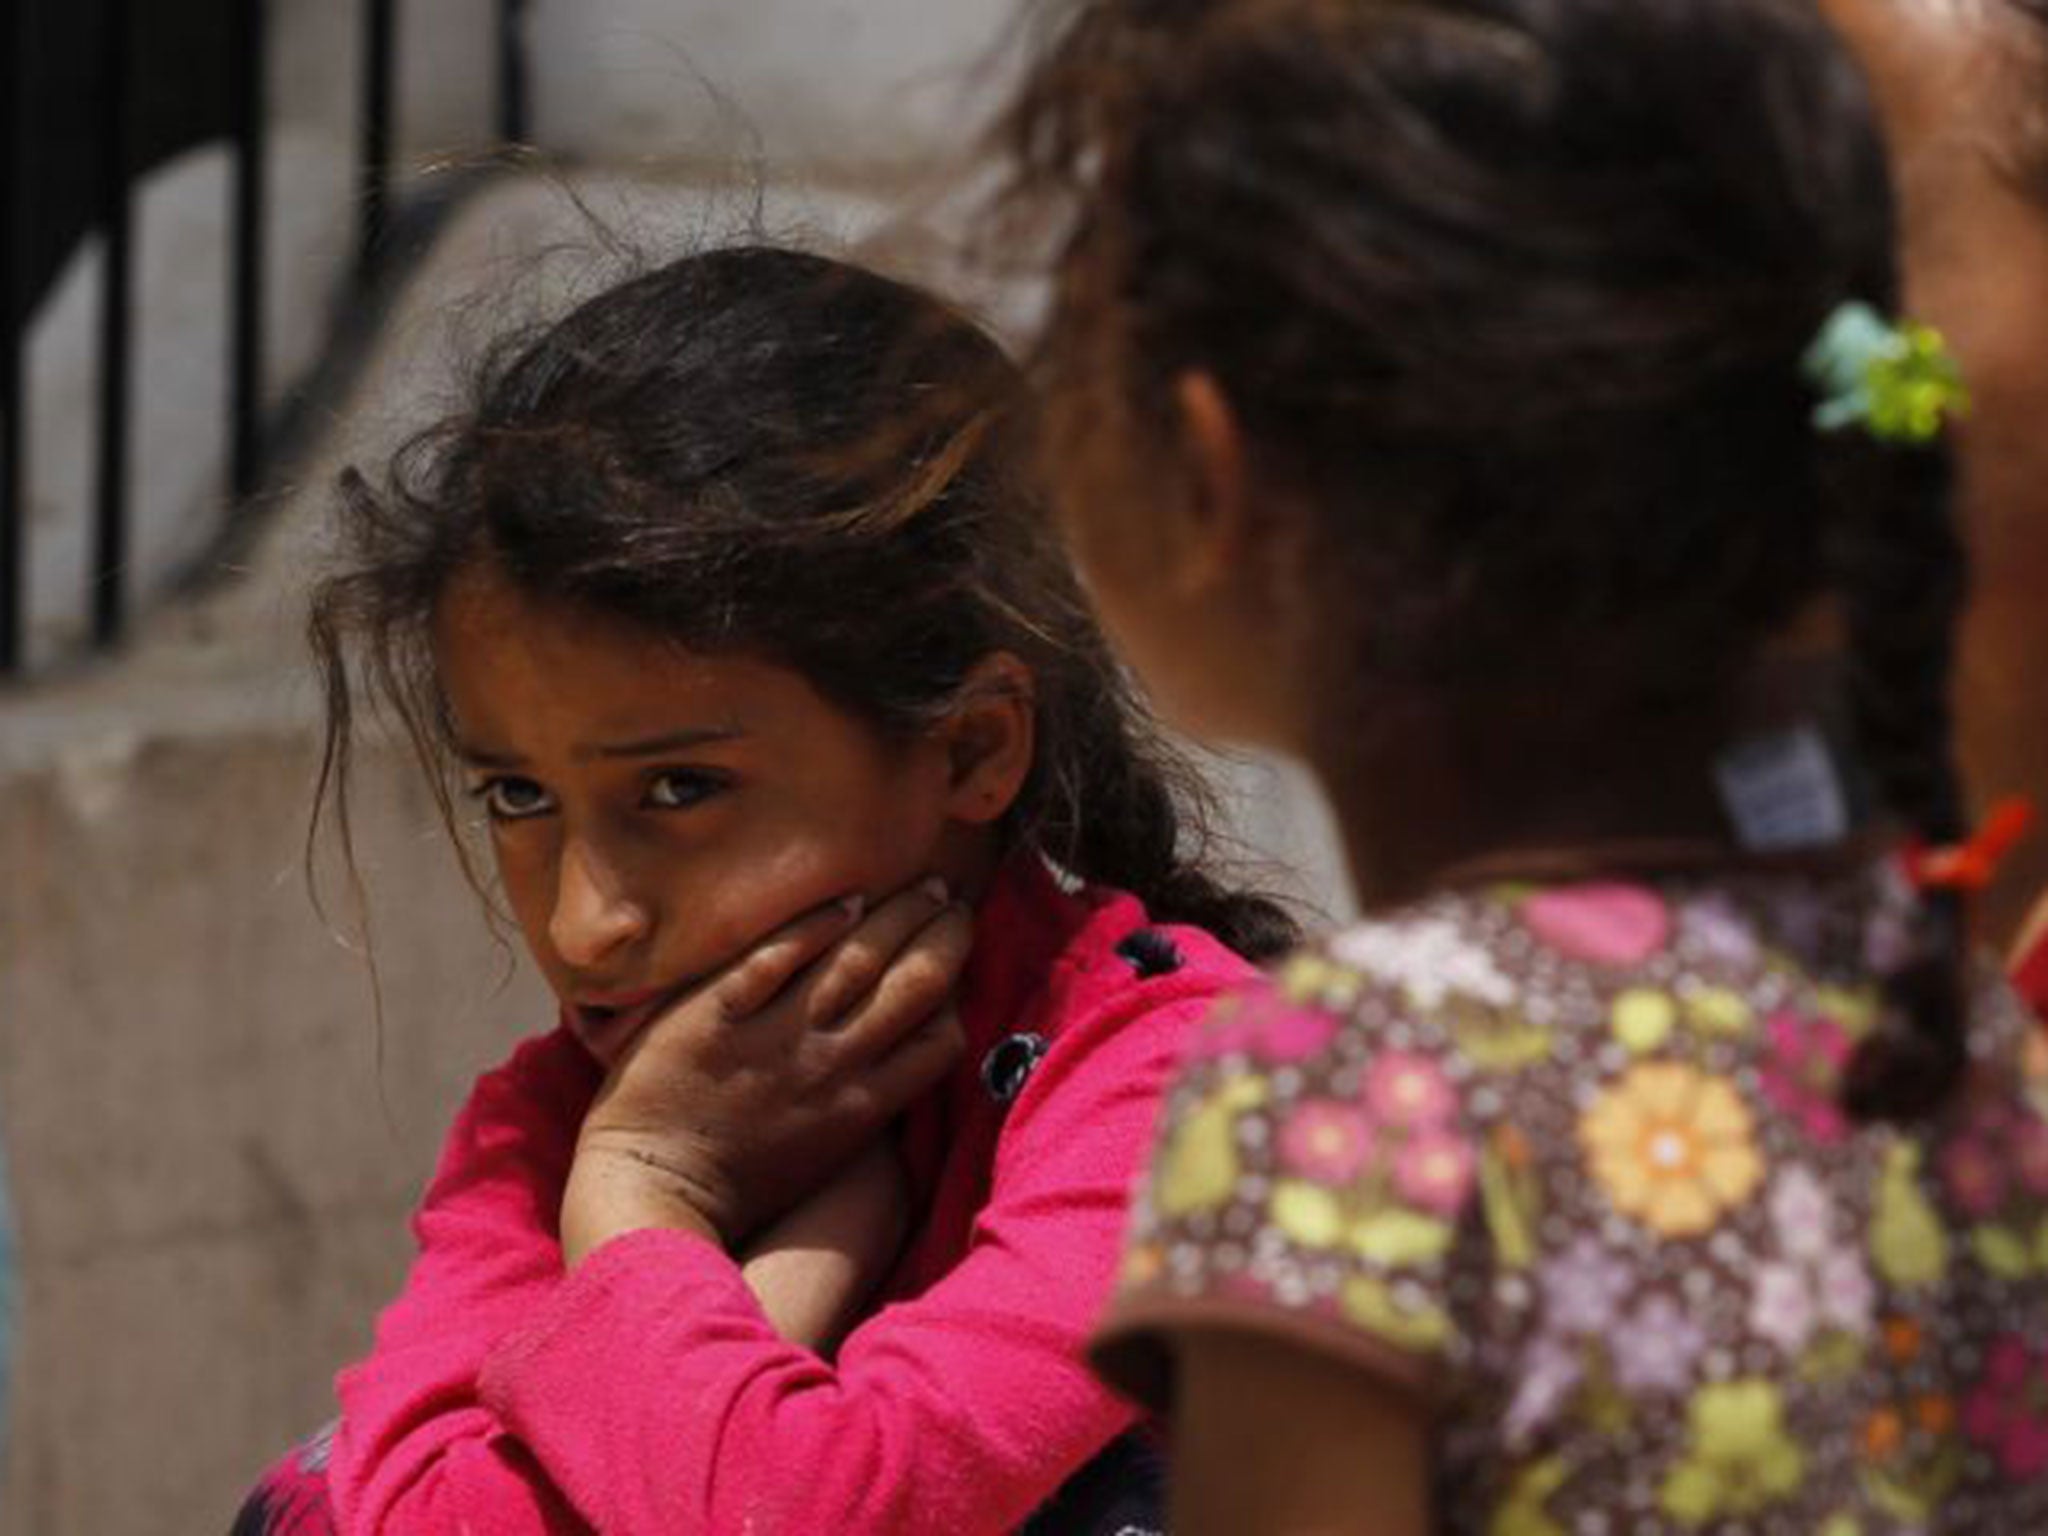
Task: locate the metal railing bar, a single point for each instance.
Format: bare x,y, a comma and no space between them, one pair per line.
252,437
110,530
13,330
247,214
380,18
515,102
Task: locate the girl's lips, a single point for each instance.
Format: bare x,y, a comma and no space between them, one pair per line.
607,1025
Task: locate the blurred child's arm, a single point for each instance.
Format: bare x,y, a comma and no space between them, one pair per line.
812,1270
1270,1436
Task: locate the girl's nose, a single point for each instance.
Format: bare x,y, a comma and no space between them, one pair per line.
595,915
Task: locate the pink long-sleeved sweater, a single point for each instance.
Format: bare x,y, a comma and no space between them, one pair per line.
646,1392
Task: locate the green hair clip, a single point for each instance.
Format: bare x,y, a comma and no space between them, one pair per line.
1898,381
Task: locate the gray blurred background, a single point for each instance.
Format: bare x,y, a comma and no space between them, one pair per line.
214,1139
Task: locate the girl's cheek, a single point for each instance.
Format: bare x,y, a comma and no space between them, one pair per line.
528,884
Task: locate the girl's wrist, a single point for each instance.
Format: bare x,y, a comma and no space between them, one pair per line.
610,1194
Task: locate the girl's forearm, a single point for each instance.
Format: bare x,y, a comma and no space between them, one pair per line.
809,1271
812,1270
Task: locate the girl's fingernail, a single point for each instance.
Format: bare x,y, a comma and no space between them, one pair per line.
852,906
936,889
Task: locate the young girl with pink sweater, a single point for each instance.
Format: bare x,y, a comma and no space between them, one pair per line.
863,886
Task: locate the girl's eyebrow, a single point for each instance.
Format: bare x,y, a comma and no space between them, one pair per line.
673,741
482,757
651,746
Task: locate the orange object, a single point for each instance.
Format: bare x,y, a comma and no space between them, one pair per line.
1901,1338
1970,866
1882,1432
1935,1413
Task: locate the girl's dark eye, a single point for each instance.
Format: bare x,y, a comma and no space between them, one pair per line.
680,788
514,799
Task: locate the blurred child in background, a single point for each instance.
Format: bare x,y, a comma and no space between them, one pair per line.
1508,408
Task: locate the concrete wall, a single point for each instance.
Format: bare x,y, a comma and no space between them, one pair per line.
214,1144
842,83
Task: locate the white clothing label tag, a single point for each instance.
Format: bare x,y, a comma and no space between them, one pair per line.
1782,791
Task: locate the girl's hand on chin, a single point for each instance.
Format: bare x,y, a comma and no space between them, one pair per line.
754,1087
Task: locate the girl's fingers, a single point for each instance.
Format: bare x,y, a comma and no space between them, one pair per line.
758,977
906,1072
915,986
837,983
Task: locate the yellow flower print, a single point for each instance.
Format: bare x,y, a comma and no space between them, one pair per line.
1422,1326
1718,1011
1642,1018
1521,1512
1672,1147
1308,1213
1742,1460
1310,979
1397,1238
1854,1008
1511,1195
1907,1237
1200,1165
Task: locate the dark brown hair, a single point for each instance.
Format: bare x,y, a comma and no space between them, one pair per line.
1511,298
739,452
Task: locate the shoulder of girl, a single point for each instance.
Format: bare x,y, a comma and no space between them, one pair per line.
1167,961
1129,974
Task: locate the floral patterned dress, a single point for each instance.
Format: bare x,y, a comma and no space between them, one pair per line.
1567,1162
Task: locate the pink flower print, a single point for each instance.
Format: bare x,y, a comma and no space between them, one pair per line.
1551,1371
1843,1291
1606,924
1975,1177
1288,1035
1718,931
1406,1089
1804,1072
2007,1411
1822,1283
1583,1286
1781,1308
1801,1215
1435,1171
1655,1348
1326,1140
1223,1031
1264,1027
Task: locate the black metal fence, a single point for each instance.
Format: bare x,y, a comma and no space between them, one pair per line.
86,58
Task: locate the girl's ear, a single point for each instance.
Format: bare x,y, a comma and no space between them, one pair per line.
1215,531
989,739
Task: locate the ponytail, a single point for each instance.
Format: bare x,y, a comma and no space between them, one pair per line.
1899,567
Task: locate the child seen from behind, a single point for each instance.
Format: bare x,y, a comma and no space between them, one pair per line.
1505,406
